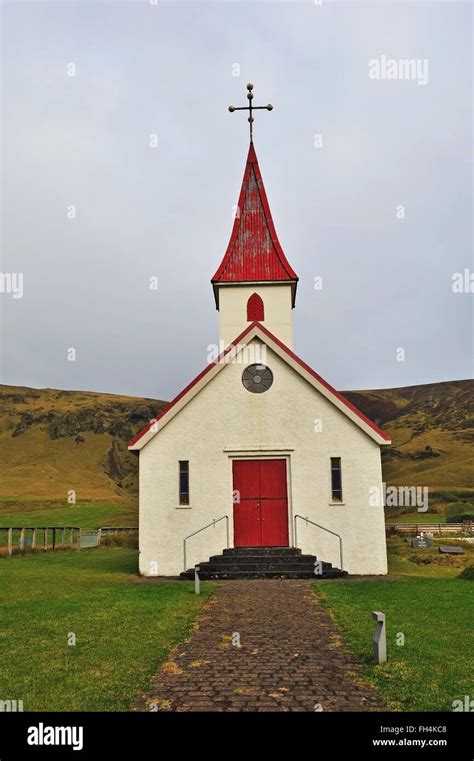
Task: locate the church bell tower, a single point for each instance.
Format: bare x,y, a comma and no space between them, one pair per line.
254,280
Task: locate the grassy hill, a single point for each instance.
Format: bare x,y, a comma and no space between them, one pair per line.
432,430
53,441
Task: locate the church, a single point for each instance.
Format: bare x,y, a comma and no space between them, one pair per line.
259,467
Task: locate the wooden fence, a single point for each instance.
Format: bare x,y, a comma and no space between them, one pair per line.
430,528
25,538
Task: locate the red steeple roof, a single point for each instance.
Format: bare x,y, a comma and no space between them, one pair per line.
254,252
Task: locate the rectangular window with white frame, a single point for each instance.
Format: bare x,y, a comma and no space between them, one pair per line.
336,479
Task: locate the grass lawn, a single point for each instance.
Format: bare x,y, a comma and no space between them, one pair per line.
432,608
417,518
85,514
123,630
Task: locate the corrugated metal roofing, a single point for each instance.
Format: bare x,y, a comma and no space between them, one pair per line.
254,252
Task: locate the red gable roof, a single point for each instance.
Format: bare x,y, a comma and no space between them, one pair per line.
254,252
219,361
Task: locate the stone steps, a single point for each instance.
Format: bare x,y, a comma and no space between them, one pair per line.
263,563
268,574
267,551
248,561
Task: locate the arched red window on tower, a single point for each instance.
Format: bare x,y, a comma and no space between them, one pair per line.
255,310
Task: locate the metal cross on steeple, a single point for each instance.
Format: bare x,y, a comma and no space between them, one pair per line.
250,108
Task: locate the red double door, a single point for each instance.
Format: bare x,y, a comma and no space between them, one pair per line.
260,503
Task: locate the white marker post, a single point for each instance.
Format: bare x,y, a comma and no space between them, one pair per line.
380,638
197,584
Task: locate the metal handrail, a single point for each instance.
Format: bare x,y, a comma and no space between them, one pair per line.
216,520
318,525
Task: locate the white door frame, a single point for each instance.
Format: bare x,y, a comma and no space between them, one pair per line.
255,453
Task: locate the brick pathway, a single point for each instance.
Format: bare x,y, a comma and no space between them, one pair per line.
290,657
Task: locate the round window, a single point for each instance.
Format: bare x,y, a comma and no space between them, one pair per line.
257,378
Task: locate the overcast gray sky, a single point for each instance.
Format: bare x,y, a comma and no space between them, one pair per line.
169,69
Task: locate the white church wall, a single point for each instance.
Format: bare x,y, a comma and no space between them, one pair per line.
233,310
224,418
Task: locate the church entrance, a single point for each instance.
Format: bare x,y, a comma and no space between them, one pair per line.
261,514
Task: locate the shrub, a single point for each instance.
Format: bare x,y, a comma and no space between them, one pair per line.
460,511
448,496
468,573
120,539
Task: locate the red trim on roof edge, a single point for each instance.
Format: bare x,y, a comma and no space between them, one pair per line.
324,383
290,354
191,384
